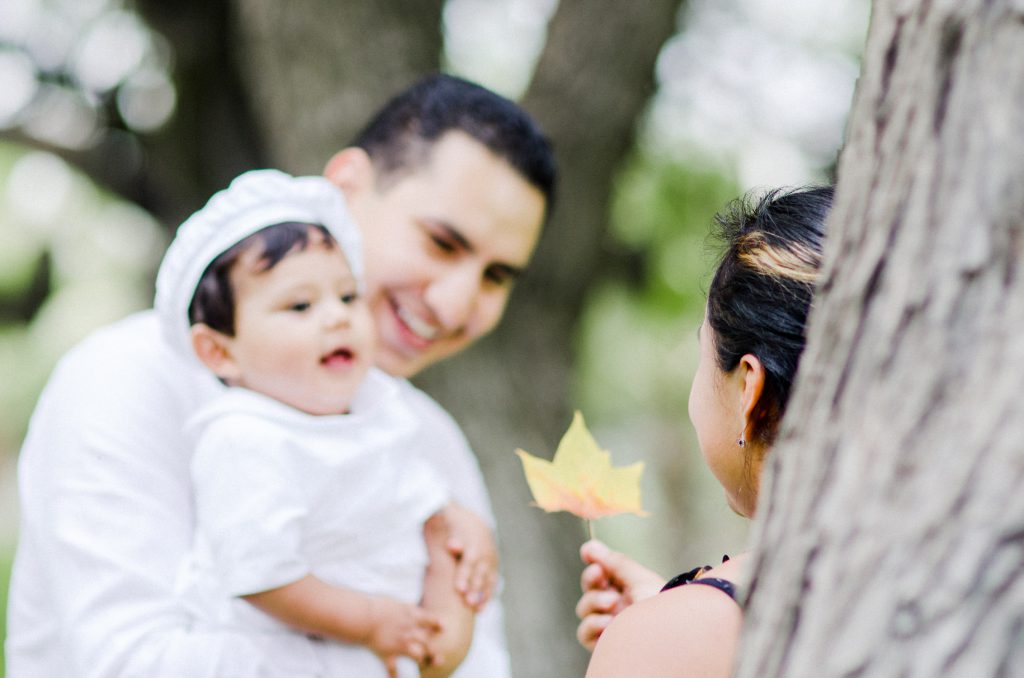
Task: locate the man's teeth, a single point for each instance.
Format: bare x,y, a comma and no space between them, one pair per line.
419,328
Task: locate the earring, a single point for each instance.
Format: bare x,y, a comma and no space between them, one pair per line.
741,442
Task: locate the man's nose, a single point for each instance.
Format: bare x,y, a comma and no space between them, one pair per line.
452,298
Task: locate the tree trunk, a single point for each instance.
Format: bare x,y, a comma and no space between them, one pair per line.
317,70
211,137
593,80
890,539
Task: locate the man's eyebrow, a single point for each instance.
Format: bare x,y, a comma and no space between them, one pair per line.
455,234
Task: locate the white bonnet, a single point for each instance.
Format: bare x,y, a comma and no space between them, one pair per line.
253,201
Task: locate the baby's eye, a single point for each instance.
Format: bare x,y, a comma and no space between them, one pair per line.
349,298
299,306
442,244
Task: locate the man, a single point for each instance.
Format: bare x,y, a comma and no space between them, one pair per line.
450,184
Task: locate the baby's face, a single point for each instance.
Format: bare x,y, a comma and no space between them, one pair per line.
303,336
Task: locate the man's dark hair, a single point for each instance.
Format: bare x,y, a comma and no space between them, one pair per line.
399,138
213,303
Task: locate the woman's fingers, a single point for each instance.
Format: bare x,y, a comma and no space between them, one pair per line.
593,578
591,628
598,602
623,573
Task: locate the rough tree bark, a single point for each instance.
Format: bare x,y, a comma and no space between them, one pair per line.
890,539
592,82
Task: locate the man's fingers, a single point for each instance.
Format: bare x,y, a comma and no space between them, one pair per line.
427,622
464,564
455,547
481,584
474,577
486,589
432,657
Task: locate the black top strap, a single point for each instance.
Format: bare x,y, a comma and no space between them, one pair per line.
694,577
723,585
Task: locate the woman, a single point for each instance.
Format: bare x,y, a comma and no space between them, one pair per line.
750,344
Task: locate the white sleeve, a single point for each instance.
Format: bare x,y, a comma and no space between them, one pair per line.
106,518
251,504
447,450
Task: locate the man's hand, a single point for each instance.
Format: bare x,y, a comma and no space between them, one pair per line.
471,542
399,629
611,582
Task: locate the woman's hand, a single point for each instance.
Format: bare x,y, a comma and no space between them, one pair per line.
471,542
611,582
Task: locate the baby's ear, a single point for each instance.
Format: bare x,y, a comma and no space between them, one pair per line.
213,349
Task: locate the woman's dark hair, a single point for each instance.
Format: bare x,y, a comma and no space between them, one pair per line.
214,300
400,137
762,289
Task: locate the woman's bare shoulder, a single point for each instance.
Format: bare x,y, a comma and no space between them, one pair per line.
691,630
733,570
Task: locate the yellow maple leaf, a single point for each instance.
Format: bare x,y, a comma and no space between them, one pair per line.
581,478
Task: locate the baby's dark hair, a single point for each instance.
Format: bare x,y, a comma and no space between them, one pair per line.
214,300
762,289
400,137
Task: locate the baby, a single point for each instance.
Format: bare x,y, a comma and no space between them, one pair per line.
313,508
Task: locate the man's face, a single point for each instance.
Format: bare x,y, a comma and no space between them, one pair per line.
444,244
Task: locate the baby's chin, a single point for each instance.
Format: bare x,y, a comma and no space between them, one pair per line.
329,405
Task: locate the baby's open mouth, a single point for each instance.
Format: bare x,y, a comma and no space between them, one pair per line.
341,356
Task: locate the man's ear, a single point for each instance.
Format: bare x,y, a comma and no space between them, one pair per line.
351,170
752,373
213,349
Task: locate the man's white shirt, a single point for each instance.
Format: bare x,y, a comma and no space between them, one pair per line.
107,517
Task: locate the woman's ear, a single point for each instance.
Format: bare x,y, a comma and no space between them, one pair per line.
213,349
752,374
351,170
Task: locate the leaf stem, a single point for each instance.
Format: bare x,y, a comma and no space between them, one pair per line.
590,529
